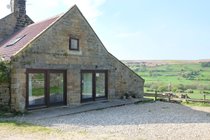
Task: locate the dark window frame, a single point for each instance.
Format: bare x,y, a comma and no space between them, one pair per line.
46,73
70,46
93,72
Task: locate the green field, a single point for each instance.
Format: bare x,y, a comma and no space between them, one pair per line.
192,79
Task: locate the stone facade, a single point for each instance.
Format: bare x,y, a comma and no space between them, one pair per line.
51,51
4,94
18,89
7,27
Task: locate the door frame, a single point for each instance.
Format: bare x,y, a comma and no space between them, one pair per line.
46,73
94,98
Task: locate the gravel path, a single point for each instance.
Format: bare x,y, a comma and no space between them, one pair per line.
160,120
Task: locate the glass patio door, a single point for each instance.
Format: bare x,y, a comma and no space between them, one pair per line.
36,89
87,86
93,85
56,88
45,88
100,79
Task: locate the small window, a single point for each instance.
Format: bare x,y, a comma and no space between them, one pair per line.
73,44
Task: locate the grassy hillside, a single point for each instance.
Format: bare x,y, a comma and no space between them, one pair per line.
180,77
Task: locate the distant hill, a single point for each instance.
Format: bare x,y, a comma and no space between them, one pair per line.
162,62
179,76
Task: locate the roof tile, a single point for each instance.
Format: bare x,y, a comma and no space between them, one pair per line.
27,34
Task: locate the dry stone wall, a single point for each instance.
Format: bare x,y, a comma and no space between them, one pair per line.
4,95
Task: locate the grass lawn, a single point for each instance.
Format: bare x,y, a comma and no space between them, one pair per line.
24,131
196,104
23,127
15,130
12,130
181,77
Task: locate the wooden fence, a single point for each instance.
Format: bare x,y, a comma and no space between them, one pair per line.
171,97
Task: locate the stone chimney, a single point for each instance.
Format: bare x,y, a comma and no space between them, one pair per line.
15,21
18,7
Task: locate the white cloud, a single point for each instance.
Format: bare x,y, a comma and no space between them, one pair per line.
4,11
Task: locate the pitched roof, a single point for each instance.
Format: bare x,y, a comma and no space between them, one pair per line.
20,39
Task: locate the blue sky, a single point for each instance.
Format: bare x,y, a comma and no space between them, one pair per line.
139,29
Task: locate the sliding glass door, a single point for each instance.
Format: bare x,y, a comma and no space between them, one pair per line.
45,88
93,85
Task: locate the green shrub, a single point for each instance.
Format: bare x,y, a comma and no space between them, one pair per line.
191,86
4,72
206,92
147,85
181,87
162,88
189,91
205,64
154,86
150,90
174,89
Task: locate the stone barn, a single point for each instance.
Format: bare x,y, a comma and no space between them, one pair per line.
59,61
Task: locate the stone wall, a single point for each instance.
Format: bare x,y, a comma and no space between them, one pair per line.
7,26
19,8
51,51
18,89
127,81
11,24
4,95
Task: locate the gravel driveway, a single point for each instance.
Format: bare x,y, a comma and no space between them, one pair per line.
159,120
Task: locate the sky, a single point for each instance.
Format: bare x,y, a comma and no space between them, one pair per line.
138,29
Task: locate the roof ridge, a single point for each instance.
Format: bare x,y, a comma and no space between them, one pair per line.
52,23
50,18
33,32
